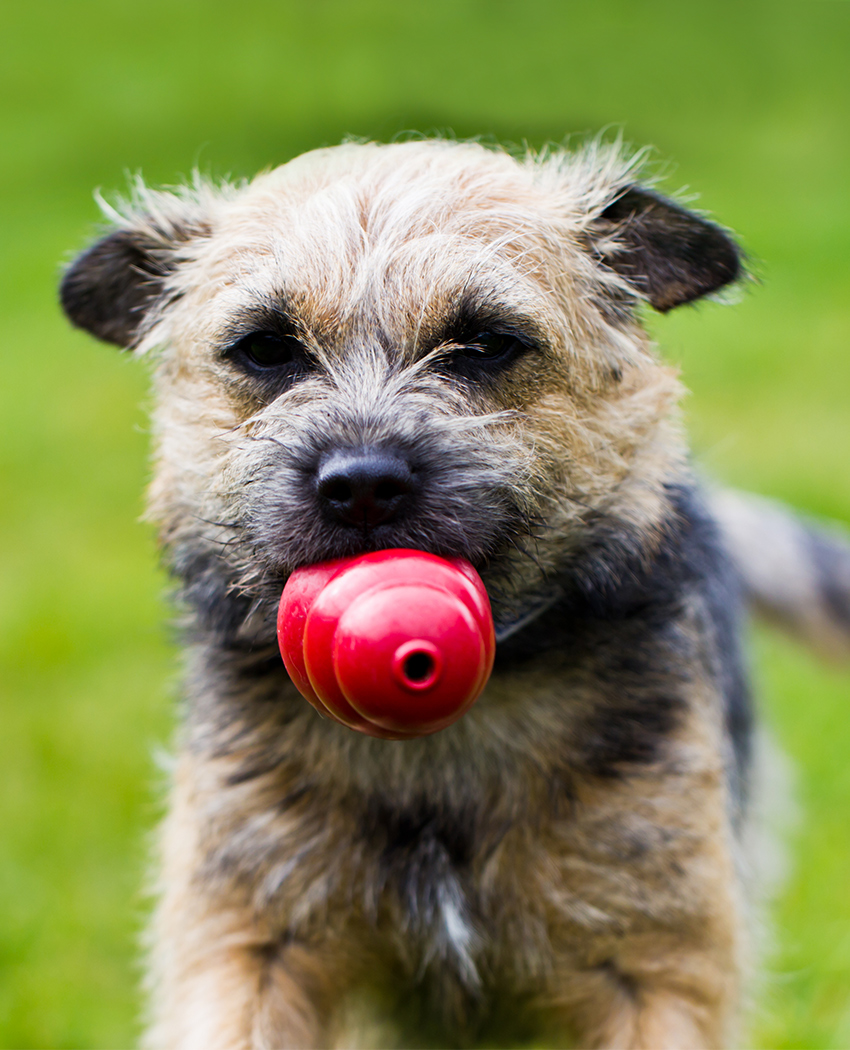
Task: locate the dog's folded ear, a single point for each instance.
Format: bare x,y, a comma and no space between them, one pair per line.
667,253
108,288
111,287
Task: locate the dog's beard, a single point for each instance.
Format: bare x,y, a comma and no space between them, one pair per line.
265,520
452,514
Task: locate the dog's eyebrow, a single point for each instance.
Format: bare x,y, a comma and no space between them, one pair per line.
470,315
269,316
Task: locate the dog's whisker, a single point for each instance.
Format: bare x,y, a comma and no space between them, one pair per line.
219,524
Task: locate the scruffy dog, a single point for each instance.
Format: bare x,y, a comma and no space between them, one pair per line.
459,328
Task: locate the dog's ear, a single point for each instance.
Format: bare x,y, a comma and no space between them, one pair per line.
109,289
667,253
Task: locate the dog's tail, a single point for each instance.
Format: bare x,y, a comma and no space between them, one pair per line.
795,572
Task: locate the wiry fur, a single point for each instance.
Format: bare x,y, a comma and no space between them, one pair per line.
563,860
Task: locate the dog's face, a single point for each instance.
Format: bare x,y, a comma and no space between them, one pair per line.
426,345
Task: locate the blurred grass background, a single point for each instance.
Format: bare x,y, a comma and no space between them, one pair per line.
751,103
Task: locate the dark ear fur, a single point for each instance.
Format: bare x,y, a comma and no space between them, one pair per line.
108,288
664,251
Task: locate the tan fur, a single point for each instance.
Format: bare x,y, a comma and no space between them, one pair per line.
608,907
627,947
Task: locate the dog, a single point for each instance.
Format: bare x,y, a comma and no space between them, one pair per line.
457,331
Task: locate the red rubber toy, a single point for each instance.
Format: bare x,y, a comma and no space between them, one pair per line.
396,644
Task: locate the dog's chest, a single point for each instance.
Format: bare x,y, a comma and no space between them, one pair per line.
425,857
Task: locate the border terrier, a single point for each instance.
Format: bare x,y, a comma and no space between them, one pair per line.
462,327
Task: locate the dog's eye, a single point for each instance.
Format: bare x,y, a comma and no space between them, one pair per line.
485,355
491,346
267,350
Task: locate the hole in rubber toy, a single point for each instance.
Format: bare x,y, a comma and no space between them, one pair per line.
417,665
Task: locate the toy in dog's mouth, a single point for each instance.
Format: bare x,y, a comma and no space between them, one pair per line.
396,643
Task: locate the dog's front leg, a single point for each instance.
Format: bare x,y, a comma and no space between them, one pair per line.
648,923
221,978
235,994
668,1010
218,988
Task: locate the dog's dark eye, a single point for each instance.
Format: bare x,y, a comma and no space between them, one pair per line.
485,355
267,350
272,360
491,346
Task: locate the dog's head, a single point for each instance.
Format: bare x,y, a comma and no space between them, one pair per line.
428,344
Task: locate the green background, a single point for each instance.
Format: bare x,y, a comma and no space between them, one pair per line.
746,103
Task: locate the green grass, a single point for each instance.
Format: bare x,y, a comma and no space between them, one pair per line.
750,100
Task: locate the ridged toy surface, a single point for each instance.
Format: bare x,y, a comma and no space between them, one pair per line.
396,643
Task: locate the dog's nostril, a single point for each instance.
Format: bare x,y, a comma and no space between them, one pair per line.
363,487
388,490
336,490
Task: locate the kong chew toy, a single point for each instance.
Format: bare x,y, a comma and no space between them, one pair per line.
396,644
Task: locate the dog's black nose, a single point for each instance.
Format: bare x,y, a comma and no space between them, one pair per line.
364,487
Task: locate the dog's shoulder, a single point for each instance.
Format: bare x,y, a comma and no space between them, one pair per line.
643,614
